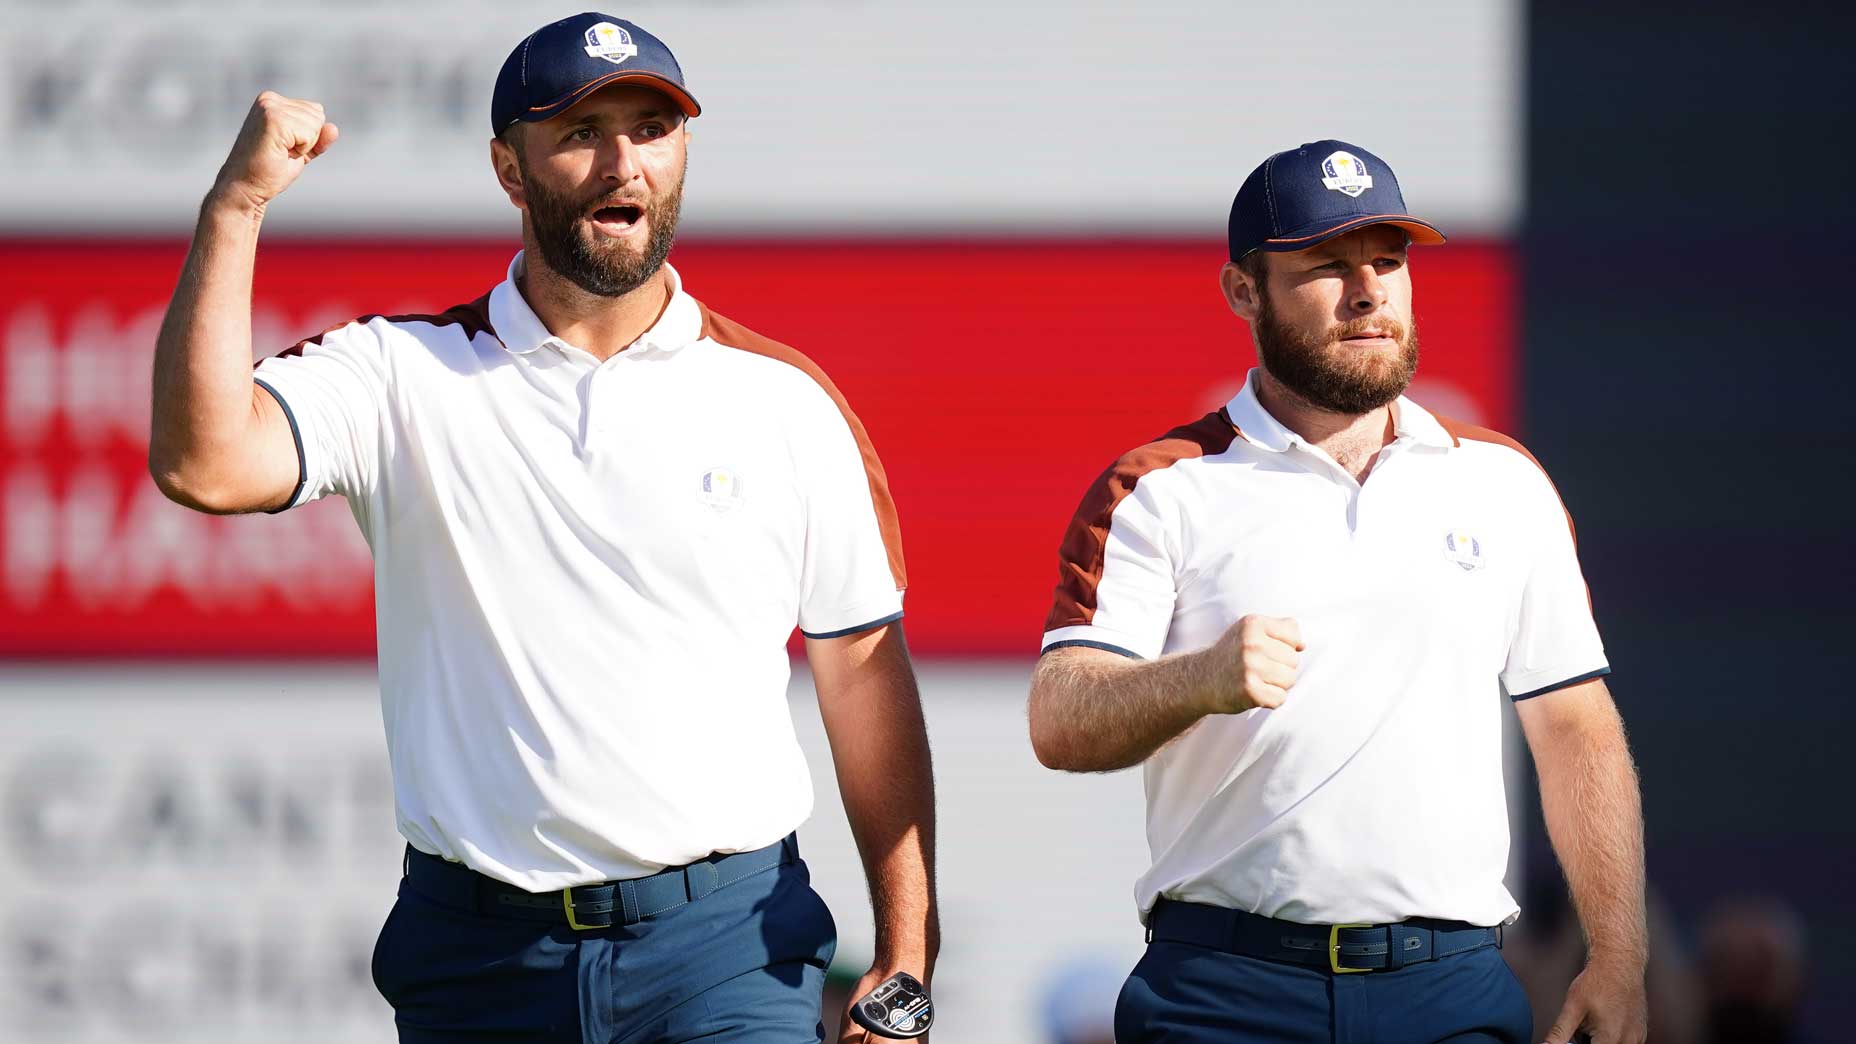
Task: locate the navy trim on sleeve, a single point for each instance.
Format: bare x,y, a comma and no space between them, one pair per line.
1084,643
872,625
302,465
1586,677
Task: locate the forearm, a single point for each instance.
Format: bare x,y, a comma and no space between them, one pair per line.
1097,713
888,792
1589,794
204,408
879,742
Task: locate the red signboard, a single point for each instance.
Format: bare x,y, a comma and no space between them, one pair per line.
996,378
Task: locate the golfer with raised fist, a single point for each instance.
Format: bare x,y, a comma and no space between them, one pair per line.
598,510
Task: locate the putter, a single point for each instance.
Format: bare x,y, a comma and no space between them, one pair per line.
898,1008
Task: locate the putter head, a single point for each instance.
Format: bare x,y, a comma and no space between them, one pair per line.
898,1008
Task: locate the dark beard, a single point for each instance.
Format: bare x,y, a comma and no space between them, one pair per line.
569,249
1309,368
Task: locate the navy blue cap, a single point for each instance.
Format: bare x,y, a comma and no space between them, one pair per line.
565,61
1301,197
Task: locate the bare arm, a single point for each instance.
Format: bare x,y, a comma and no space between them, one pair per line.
218,442
879,745
1096,711
1594,814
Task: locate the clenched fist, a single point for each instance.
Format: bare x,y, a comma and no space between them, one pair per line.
280,136
1259,656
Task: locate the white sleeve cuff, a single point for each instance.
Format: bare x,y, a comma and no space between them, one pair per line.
1527,685
862,616
1092,637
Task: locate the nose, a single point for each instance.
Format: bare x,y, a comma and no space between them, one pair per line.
627,165
1365,293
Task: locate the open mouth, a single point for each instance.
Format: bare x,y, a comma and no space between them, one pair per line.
618,219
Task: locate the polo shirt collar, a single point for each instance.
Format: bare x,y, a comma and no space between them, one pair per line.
1409,421
1254,422
522,331
1414,422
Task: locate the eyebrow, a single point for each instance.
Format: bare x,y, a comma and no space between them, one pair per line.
1327,253
593,118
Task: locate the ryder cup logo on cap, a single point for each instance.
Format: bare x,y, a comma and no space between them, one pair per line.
562,63
1343,172
1301,197
610,42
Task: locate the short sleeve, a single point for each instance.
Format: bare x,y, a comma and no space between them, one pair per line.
332,390
1115,587
1555,641
850,581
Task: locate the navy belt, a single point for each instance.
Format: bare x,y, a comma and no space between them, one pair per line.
1339,948
596,905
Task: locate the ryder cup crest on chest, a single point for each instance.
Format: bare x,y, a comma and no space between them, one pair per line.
1465,549
721,488
610,42
1343,172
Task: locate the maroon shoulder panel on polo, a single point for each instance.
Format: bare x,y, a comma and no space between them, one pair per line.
1462,432
473,316
1085,543
730,334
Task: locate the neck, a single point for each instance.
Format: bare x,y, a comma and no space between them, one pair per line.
602,326
1352,439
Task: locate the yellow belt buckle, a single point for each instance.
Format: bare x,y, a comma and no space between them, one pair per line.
1334,949
567,902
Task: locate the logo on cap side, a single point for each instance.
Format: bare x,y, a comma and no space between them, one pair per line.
610,42
1345,173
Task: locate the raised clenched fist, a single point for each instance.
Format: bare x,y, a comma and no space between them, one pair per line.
1259,656
280,136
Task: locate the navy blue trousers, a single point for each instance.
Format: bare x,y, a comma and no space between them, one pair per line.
1183,994
744,963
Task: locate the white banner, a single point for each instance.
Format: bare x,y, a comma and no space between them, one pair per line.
821,116
205,855
192,856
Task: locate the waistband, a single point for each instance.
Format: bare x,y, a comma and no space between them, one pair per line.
596,905
1339,948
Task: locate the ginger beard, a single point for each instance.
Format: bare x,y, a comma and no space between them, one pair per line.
1323,371
599,264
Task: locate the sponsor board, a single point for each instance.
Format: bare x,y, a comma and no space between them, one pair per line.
833,116
206,854
996,380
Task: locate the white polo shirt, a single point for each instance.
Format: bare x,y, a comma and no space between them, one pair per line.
1375,792
586,573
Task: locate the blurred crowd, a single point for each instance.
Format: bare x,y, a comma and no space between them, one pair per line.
1735,975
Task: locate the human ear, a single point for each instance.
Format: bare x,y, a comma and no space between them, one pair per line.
508,168
1240,292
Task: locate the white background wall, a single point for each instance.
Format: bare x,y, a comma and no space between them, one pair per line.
205,854
821,116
